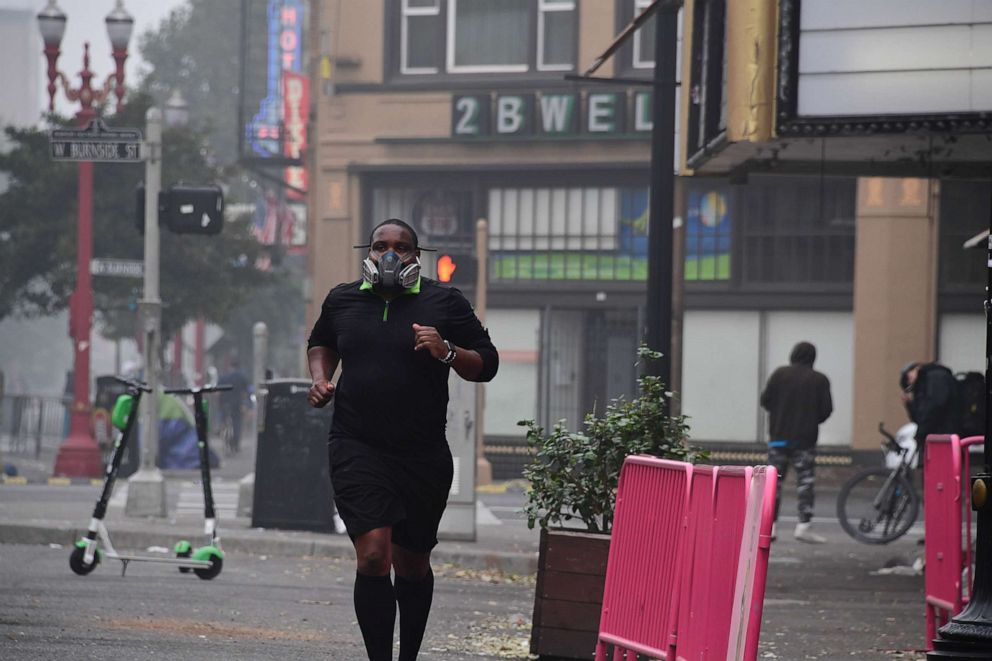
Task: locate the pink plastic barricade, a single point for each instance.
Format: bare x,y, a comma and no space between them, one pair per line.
688,561
947,511
643,570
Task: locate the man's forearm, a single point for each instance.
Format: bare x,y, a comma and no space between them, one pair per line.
468,363
322,362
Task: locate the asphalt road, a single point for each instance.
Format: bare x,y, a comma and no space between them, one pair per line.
258,608
822,602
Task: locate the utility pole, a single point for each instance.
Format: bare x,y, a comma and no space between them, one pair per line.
146,488
658,336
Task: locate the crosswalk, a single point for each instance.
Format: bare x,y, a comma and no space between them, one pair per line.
225,498
190,501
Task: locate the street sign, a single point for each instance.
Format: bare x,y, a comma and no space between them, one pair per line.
96,143
118,268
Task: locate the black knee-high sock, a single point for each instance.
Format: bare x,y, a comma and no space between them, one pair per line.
375,606
414,598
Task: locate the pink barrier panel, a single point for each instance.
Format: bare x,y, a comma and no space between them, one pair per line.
717,506
688,560
642,574
946,515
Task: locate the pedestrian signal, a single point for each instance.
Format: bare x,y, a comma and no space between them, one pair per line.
446,268
193,209
457,269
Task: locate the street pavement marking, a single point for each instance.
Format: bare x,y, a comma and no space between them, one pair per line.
14,479
59,482
225,498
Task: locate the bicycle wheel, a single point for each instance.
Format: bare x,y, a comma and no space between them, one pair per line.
876,510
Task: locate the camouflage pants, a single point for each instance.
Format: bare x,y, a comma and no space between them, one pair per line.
804,462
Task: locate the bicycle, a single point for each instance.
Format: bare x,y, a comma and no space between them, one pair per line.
879,505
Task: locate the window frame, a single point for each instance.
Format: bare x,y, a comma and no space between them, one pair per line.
406,11
545,7
635,61
445,12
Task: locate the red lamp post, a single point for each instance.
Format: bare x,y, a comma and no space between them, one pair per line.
79,454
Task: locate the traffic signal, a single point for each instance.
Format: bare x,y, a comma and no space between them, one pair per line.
457,269
192,209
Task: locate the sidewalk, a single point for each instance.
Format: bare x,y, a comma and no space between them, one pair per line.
33,512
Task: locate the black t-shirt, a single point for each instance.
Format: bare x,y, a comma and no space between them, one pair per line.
389,395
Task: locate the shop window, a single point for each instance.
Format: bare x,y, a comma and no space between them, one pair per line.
487,36
568,233
964,213
796,232
443,218
707,233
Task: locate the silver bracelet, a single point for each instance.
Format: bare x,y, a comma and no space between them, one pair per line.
450,357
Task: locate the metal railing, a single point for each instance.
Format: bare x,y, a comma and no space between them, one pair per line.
29,423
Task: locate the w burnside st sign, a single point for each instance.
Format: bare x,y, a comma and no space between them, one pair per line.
96,143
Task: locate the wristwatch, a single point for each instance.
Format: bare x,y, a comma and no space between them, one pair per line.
450,357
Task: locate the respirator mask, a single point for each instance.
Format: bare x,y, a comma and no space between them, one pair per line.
390,273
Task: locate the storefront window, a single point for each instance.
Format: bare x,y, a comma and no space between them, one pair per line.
568,233
796,232
707,233
964,213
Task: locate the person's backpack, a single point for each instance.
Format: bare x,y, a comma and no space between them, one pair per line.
971,398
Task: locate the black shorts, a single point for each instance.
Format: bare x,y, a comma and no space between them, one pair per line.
374,489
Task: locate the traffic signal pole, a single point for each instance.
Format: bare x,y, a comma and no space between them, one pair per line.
146,488
658,335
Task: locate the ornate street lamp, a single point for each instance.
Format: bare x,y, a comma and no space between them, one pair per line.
79,454
176,112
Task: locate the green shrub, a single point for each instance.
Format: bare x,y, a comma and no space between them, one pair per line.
575,474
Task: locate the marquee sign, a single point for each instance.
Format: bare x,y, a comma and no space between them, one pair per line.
592,114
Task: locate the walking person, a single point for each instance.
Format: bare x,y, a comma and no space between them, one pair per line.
395,335
232,401
798,401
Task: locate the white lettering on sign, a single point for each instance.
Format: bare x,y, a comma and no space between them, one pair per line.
556,112
509,114
468,118
93,150
642,112
185,208
602,108
119,268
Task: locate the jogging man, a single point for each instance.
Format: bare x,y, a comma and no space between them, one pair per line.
395,335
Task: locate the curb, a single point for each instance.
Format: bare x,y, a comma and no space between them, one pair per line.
262,543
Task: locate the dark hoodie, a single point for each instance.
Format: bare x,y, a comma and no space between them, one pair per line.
797,398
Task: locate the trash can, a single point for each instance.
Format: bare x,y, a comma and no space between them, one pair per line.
292,476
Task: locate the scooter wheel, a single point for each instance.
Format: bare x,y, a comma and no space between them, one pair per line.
207,573
184,554
77,563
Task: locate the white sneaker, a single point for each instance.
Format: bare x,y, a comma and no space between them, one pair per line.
804,534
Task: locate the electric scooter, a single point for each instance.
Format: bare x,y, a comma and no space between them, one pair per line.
206,561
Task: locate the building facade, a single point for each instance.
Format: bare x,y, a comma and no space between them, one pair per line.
444,112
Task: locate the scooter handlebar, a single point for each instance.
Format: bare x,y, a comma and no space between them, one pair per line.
133,383
201,389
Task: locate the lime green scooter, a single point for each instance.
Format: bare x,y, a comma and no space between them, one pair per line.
205,561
